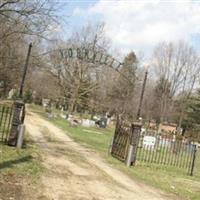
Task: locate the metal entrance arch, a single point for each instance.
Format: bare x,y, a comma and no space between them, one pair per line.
90,55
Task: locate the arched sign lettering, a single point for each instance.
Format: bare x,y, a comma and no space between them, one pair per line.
90,56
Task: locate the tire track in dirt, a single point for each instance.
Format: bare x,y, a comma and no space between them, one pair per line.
75,173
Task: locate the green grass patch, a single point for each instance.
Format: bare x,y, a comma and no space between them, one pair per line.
20,162
20,171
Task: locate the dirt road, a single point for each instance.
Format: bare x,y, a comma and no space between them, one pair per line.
75,172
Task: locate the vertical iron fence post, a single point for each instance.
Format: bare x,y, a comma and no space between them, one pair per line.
142,95
25,71
19,106
193,160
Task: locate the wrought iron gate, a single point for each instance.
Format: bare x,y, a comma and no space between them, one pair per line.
11,116
130,145
6,113
121,140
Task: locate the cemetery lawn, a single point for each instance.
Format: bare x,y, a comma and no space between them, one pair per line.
169,179
20,170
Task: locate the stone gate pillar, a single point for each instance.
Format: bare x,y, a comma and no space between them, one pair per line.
18,119
134,141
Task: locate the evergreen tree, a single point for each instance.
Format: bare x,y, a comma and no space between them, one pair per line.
191,122
123,91
193,111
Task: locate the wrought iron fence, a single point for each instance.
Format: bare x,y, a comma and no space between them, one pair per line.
6,113
167,150
131,144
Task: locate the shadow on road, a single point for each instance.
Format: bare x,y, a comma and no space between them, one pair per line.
11,163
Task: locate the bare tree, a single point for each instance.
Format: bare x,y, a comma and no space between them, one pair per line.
35,17
21,20
92,36
78,78
178,64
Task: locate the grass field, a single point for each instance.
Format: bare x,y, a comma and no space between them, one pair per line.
167,178
20,170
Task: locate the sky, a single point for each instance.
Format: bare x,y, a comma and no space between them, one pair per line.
138,25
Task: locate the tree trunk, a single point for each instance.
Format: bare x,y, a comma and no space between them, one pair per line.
181,116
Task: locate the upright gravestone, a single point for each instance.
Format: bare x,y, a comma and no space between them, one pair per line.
11,93
103,122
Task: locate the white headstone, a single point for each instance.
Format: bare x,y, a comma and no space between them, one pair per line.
88,123
11,93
